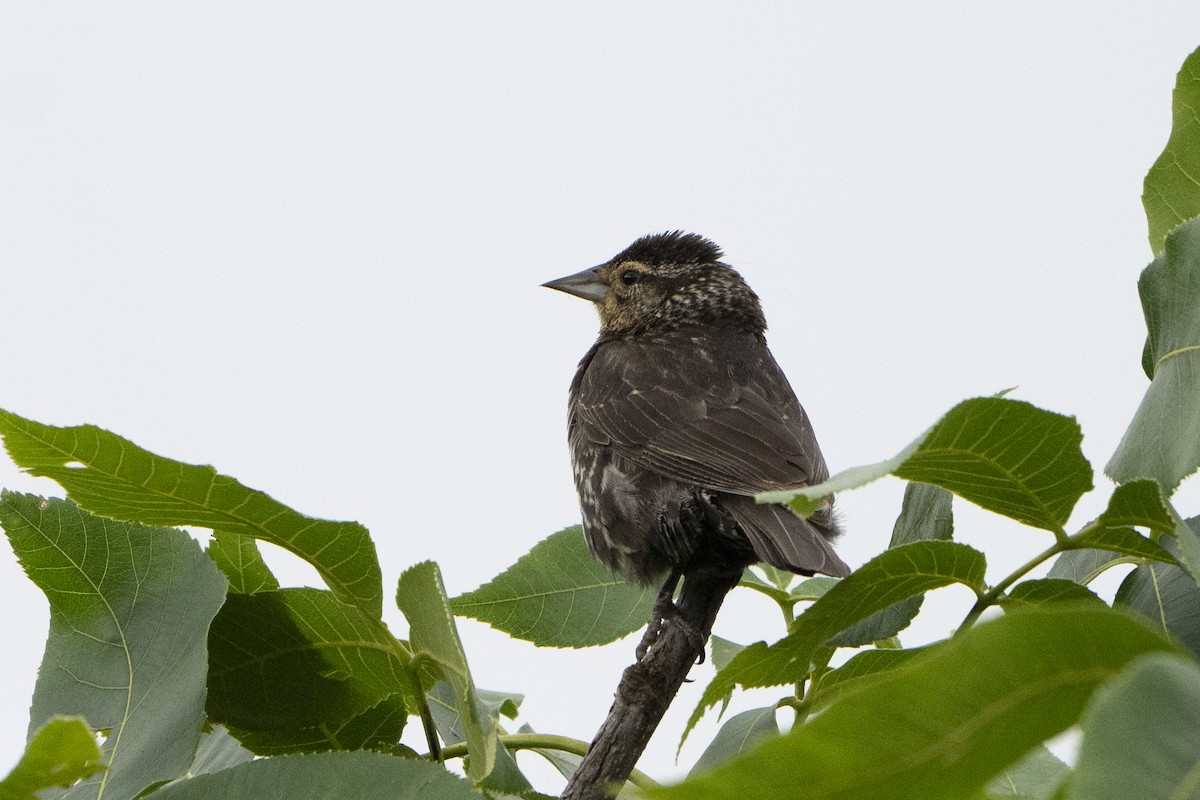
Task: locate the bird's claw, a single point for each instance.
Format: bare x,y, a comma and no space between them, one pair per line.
664,609
663,612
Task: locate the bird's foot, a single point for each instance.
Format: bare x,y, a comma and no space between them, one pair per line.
664,609
668,614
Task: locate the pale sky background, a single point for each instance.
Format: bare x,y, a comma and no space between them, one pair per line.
304,243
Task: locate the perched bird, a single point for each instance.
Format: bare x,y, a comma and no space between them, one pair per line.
679,415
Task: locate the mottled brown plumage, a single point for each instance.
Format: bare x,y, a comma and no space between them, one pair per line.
679,414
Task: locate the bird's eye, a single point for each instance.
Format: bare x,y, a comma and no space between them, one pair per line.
630,276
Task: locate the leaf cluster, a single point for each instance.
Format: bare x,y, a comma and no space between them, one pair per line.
191,662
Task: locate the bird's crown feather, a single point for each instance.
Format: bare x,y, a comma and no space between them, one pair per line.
673,247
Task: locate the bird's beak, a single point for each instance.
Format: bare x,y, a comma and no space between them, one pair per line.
586,284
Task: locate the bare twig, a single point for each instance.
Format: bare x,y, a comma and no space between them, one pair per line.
647,688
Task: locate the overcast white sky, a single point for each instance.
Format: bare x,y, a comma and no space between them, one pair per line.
303,243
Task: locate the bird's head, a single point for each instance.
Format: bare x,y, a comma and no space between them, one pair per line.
663,282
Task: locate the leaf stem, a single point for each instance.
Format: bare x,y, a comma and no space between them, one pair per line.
806,687
801,707
989,598
782,598
778,595
411,670
545,741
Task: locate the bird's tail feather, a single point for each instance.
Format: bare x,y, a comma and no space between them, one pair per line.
785,540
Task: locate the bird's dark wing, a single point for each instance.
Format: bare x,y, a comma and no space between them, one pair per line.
712,411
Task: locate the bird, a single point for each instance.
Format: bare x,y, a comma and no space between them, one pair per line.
679,415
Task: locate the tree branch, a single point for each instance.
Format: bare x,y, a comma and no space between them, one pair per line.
648,687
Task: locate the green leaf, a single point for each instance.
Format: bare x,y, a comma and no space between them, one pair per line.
1187,551
927,514
740,734
1166,595
1047,590
1138,504
375,728
1003,455
1127,541
500,704
238,557
751,580
805,500
321,776
1084,566
893,575
112,477
1163,440
1034,777
1171,192
1006,456
723,651
880,625
446,717
1141,735
130,608
944,725
861,669
506,776
779,578
559,595
421,596
812,588
297,669
218,751
62,751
